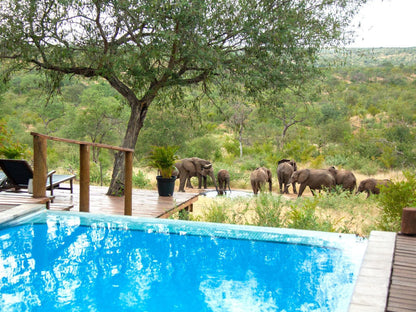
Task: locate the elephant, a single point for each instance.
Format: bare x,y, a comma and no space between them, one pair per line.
371,186
316,179
259,177
345,178
223,177
194,167
285,169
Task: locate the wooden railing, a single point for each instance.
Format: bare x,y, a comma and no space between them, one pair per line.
40,170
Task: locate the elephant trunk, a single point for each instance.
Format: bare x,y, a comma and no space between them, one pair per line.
211,174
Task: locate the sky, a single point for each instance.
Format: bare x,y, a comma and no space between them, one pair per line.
386,23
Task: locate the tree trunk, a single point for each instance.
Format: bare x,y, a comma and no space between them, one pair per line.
240,139
137,116
283,136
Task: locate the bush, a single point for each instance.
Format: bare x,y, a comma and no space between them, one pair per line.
232,146
303,216
268,211
393,199
9,147
205,147
140,180
216,213
98,174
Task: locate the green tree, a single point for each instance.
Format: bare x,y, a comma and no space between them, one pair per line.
98,121
145,47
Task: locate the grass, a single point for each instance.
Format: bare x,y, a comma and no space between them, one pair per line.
343,213
340,212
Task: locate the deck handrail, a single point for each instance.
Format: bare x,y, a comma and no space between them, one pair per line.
40,169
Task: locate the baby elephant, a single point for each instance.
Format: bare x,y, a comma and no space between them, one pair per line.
371,186
223,178
259,177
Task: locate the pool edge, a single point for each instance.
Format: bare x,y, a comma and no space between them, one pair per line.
372,286
19,211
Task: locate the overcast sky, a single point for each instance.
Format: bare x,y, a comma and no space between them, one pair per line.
386,23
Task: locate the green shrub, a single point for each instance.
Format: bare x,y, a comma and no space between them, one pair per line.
205,147
367,167
341,199
140,180
318,162
302,150
98,174
268,211
10,148
216,213
338,160
303,216
232,146
249,165
393,198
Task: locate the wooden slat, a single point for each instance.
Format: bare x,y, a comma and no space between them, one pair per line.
145,203
52,138
402,291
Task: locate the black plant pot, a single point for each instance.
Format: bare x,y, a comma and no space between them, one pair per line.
165,186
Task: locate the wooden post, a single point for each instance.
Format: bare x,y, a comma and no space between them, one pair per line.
128,183
408,225
84,178
40,170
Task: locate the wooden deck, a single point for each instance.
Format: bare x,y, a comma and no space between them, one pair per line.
402,291
146,203
11,199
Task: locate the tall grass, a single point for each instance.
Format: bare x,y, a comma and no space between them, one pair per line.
330,212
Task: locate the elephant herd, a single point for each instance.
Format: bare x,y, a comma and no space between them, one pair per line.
320,179
287,174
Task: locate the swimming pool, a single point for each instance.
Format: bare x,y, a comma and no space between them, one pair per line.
54,261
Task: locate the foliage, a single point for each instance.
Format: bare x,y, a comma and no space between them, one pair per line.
98,175
268,211
146,49
393,198
216,213
140,180
163,159
9,148
332,212
205,147
303,216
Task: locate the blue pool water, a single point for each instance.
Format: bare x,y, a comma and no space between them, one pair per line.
56,261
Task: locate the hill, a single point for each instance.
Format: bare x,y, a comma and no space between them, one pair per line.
370,57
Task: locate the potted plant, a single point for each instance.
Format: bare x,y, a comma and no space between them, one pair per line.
163,159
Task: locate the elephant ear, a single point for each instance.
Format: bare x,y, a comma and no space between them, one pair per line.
208,166
294,165
332,170
303,175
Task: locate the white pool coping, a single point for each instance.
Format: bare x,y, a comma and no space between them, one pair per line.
372,286
19,211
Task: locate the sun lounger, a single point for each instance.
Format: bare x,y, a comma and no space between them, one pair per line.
19,172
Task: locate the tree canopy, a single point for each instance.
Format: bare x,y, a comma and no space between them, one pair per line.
144,48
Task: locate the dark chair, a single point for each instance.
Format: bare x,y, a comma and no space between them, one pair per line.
19,172
3,179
